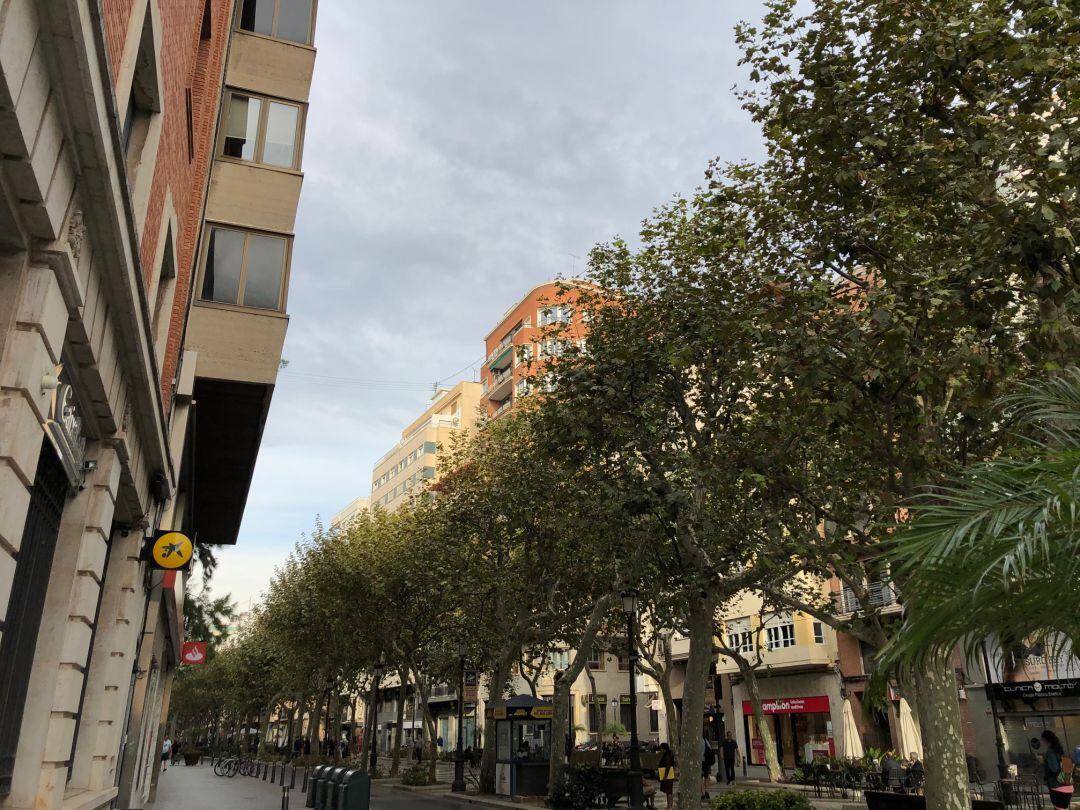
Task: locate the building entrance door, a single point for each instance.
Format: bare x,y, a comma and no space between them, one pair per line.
27,601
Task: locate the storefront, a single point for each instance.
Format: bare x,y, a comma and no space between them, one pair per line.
802,728
1027,708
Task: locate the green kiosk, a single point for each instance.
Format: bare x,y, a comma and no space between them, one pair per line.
522,746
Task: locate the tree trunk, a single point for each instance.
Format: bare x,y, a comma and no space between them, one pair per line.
316,722
496,700
371,730
289,729
403,695
702,610
423,690
938,707
333,724
761,720
560,733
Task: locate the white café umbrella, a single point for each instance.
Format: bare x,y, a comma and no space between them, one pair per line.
852,742
910,738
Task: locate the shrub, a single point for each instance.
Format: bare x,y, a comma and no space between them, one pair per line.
417,775
762,800
579,789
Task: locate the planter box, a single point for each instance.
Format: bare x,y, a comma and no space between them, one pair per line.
192,759
881,800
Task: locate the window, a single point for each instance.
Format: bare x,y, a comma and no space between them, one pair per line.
819,633
141,120
244,268
284,19
556,314
261,130
164,295
429,472
624,711
522,388
739,637
654,714
596,661
624,663
430,447
780,633
551,348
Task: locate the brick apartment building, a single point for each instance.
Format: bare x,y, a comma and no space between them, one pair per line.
534,328
110,133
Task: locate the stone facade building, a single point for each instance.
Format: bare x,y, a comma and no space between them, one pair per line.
110,130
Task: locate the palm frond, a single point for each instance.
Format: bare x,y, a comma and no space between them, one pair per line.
997,550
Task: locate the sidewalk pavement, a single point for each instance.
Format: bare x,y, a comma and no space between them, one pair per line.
197,788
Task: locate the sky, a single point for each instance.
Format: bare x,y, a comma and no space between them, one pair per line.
456,154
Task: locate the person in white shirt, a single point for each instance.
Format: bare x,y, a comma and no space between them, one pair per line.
166,753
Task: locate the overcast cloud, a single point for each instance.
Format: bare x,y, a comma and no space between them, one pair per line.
457,153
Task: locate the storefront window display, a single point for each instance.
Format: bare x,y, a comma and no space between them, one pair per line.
802,728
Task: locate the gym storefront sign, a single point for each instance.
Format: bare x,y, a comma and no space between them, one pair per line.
801,726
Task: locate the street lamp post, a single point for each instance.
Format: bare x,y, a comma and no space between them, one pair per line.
459,757
373,762
635,799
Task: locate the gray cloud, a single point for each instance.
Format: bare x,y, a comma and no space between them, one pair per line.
456,153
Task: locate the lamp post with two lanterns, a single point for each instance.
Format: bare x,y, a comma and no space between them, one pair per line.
636,799
377,673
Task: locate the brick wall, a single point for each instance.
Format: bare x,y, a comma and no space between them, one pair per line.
189,63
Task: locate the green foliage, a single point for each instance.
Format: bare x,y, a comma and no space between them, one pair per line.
761,800
996,549
581,788
417,775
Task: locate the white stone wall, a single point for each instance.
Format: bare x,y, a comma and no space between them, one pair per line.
68,293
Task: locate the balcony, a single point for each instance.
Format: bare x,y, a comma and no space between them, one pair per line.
502,357
236,355
442,694
274,67
264,198
881,596
501,386
235,343
502,409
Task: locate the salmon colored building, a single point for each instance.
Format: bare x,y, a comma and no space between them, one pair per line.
536,328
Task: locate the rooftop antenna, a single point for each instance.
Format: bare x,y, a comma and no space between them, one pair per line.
573,264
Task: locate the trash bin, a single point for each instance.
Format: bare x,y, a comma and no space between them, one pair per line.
317,776
337,790
324,796
354,792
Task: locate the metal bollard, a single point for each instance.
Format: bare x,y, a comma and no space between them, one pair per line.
304,781
265,771
273,772
285,798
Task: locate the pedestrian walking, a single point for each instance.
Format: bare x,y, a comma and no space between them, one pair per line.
708,759
665,772
1057,770
730,749
166,753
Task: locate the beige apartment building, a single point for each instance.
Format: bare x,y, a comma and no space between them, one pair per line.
413,461
796,659
355,507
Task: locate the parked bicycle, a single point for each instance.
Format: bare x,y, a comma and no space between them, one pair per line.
231,766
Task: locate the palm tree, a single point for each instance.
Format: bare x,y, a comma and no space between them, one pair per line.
996,552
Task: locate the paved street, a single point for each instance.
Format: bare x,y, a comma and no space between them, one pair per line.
182,788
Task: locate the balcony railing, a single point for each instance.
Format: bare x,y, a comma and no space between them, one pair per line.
433,422
879,595
502,408
443,692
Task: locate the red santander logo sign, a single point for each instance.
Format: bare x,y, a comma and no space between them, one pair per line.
193,652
